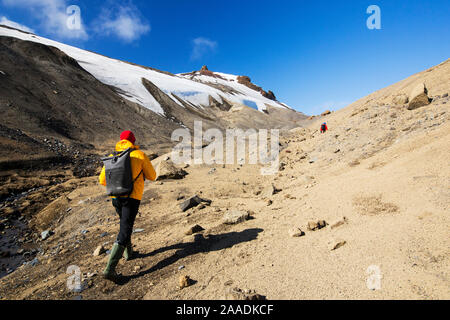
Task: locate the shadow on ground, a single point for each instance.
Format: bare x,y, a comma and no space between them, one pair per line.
201,244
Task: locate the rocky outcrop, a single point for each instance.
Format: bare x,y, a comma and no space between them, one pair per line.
246,81
269,95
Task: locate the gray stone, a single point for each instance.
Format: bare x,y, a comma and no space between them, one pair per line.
193,202
33,262
46,234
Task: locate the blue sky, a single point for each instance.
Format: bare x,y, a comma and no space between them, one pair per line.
314,55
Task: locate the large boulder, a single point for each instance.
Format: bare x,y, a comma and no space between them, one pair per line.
167,170
418,97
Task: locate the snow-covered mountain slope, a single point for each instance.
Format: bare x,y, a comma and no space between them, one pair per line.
128,79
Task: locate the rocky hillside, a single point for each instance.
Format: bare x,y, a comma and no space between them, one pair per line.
49,89
360,212
63,107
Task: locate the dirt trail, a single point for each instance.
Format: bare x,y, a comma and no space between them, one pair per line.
385,169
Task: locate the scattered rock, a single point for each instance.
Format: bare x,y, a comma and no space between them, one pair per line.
46,234
313,225
212,171
419,97
235,217
239,294
339,223
326,113
138,230
195,229
336,244
184,282
99,251
193,202
270,191
296,232
445,95
33,262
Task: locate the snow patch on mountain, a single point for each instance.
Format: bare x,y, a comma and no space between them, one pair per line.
128,77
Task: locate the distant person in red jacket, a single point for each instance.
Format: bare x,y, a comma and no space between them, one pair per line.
323,128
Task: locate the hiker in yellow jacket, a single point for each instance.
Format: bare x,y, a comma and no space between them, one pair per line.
128,207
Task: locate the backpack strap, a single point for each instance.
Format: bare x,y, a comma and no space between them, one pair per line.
129,195
138,176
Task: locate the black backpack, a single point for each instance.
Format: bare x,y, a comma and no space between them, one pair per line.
118,174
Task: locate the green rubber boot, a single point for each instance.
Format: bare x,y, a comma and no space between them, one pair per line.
114,258
128,253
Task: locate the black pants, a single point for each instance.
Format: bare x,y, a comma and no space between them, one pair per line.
127,209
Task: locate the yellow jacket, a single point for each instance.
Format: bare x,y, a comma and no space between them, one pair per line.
139,162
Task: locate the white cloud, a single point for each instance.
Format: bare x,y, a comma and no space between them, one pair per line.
202,46
6,22
123,22
52,17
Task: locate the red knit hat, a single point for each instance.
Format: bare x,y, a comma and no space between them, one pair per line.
128,135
